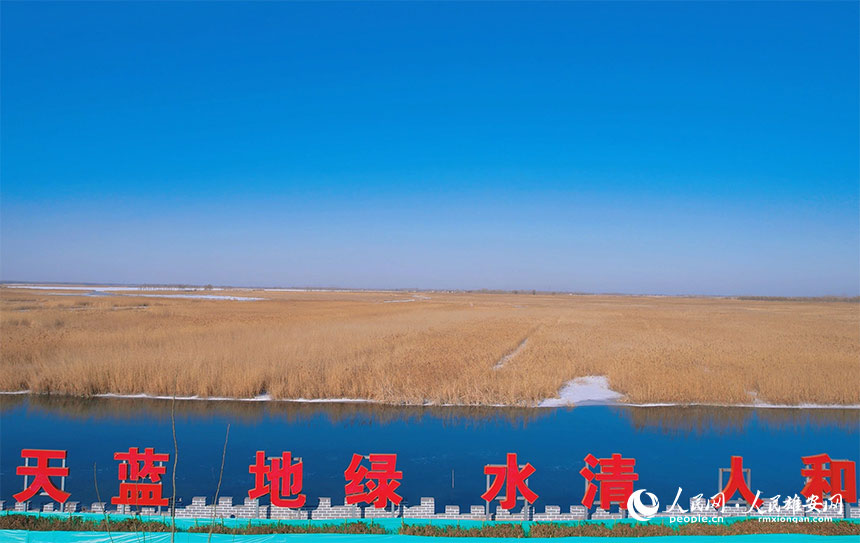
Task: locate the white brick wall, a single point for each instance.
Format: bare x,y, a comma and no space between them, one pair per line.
426,509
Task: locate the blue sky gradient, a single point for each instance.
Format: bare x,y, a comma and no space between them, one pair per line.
704,148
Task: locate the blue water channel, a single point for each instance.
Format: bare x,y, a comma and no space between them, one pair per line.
441,450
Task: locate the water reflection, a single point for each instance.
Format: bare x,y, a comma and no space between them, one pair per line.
442,449
669,420
290,412
698,420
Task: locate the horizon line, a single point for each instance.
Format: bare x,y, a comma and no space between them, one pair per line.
524,291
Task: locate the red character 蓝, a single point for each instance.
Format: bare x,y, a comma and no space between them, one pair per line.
42,473
513,478
736,483
383,480
616,478
284,480
136,466
825,477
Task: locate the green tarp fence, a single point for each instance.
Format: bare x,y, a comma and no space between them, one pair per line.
390,524
22,536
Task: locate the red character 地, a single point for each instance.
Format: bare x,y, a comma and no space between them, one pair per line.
281,479
615,480
513,478
736,483
136,467
825,478
42,473
382,480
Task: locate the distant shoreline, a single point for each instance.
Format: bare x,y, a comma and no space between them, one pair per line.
194,288
110,395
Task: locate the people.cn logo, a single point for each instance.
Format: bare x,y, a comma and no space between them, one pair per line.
639,510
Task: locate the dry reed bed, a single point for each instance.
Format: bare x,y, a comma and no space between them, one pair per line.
437,350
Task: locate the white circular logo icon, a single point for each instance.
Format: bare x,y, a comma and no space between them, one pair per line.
639,510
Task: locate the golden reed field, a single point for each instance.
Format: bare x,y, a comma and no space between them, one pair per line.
434,348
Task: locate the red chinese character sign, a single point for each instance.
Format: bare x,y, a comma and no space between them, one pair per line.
615,480
836,479
41,474
382,480
513,478
280,478
134,469
736,484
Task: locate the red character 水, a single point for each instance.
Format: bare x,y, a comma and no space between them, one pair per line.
513,478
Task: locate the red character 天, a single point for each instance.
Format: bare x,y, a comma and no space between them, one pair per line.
383,480
616,478
825,478
513,478
42,473
736,483
284,480
136,466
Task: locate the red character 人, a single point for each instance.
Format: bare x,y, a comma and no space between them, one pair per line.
42,473
825,478
382,480
284,478
513,478
616,478
736,483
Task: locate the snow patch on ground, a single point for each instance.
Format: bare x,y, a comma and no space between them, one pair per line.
303,290
197,297
593,390
111,292
107,289
347,290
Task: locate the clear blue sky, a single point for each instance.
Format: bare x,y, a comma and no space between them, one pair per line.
677,147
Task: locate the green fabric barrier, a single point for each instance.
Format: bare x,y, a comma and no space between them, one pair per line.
22,536
390,524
